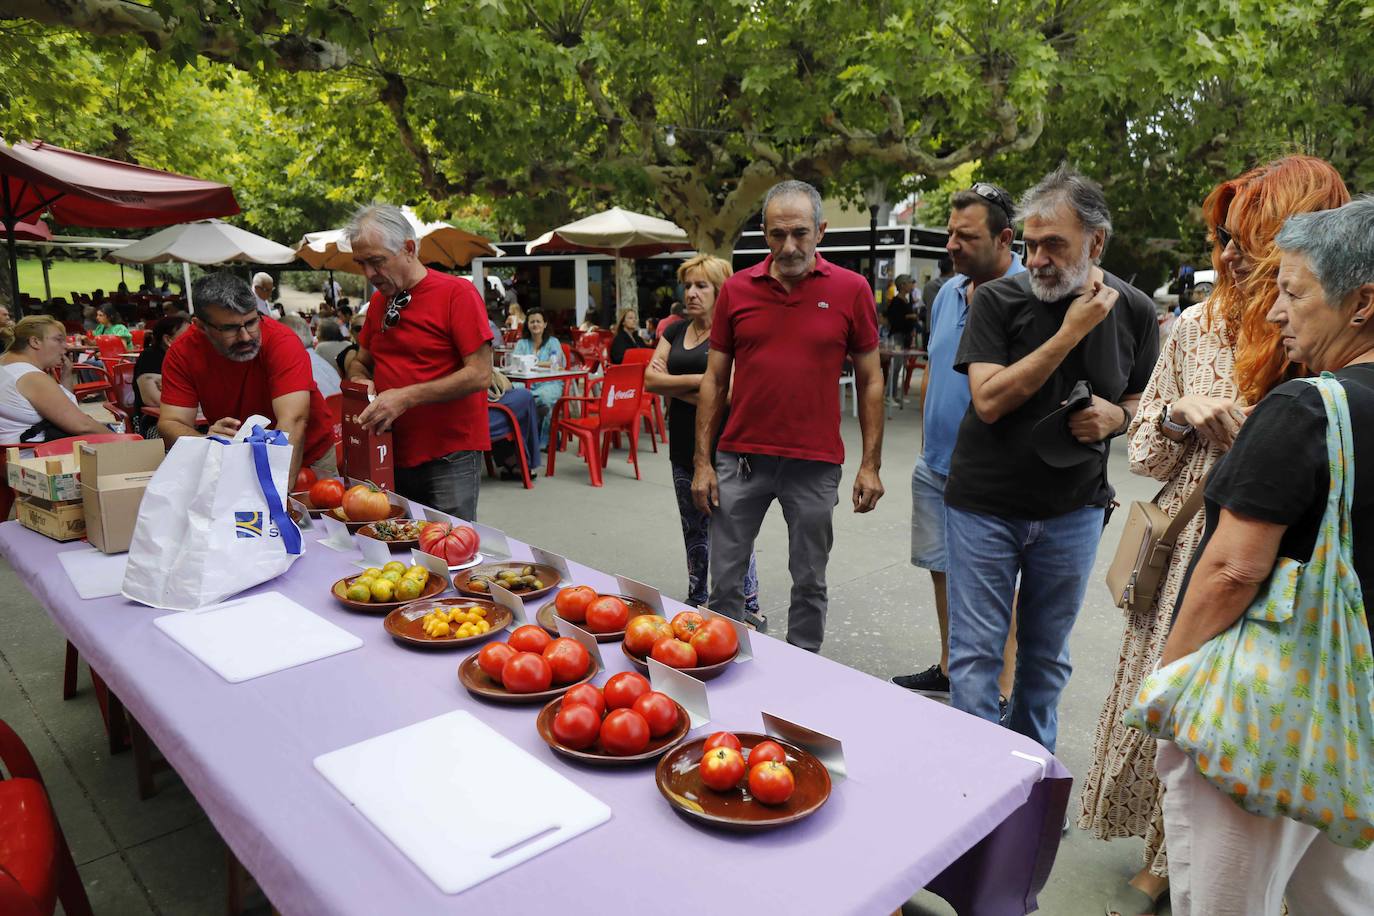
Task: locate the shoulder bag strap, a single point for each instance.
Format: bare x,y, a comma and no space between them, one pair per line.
1185,512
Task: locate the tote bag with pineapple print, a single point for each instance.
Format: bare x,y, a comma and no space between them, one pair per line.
1278,711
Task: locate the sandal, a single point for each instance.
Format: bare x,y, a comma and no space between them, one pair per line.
1131,901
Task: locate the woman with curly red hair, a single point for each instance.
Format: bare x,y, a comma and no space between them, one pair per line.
1221,358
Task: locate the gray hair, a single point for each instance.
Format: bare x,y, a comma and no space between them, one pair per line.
793,187
389,221
328,329
1338,244
224,289
1067,185
904,280
260,277
297,324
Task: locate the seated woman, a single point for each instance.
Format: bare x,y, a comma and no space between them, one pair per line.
626,336
521,403
148,370
33,407
515,317
107,322
548,352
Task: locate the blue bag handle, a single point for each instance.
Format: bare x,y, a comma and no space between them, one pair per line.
259,440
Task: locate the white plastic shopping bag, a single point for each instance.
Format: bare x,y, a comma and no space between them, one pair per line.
213,520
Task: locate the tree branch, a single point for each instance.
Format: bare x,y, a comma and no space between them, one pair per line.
586,71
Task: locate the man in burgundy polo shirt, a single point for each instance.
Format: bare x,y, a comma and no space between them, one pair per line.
786,327
233,365
426,351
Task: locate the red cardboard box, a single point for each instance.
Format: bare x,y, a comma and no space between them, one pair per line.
366,456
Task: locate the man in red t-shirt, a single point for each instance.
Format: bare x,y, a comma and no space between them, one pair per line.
426,351
786,328
234,365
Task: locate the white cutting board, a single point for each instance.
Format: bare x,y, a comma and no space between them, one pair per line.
416,785
261,634
95,574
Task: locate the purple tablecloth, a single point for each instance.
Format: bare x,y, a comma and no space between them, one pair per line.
934,797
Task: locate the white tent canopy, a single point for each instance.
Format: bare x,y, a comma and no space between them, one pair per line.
440,243
203,243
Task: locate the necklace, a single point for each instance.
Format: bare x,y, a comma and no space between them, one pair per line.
687,341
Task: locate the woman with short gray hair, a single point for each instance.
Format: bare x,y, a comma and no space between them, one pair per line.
1240,841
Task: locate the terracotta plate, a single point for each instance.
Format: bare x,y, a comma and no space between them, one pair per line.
679,780
338,515
410,631
546,574
702,673
369,531
595,756
434,586
548,614
476,682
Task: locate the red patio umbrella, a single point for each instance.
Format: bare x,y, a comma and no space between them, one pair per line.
83,190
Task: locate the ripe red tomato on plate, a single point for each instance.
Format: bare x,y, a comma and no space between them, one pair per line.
568,658
529,638
366,503
607,614
645,630
624,732
720,739
771,783
493,657
454,544
526,672
722,768
686,624
576,726
588,695
623,689
659,710
715,641
765,751
305,479
327,494
571,603
674,653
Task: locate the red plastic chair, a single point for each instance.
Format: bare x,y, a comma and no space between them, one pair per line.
618,410
110,346
99,381
65,446
138,334
515,436
510,335
592,350
653,407
36,865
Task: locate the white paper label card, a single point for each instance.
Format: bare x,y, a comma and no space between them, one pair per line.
336,536
303,522
508,600
646,593
746,649
548,558
683,688
827,749
430,562
495,546
375,553
434,515
573,631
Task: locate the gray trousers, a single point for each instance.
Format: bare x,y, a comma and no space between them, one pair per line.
807,492
449,484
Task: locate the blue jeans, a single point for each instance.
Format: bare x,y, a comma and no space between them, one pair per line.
1054,557
696,537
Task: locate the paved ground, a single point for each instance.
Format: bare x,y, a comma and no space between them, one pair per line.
162,856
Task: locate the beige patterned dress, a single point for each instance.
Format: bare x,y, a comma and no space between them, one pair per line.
1121,795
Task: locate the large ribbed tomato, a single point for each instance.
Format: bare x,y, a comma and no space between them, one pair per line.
366,503
454,544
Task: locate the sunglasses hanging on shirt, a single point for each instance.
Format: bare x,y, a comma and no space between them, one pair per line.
393,309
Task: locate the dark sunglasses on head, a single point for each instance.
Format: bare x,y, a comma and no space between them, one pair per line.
1226,237
393,309
996,196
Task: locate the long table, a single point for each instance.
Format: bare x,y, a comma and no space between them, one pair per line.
933,797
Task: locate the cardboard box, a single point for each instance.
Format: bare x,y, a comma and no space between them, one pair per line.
55,479
366,456
113,478
61,521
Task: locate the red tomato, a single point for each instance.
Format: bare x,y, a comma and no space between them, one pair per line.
765,751
685,624
572,602
624,732
305,479
674,653
454,544
645,630
493,658
366,503
576,726
568,658
720,739
586,695
771,782
526,672
659,710
722,768
530,638
607,614
715,641
623,689
327,494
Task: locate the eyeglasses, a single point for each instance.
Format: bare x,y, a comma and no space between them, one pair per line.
996,196
231,330
1226,237
393,309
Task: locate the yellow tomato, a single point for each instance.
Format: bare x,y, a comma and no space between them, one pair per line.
358,591
408,590
383,590
396,565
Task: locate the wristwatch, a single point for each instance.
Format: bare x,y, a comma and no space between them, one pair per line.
1165,423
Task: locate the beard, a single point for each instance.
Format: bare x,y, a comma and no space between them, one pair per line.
1051,284
243,352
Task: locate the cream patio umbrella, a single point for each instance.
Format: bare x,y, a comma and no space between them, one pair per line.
440,243
203,243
